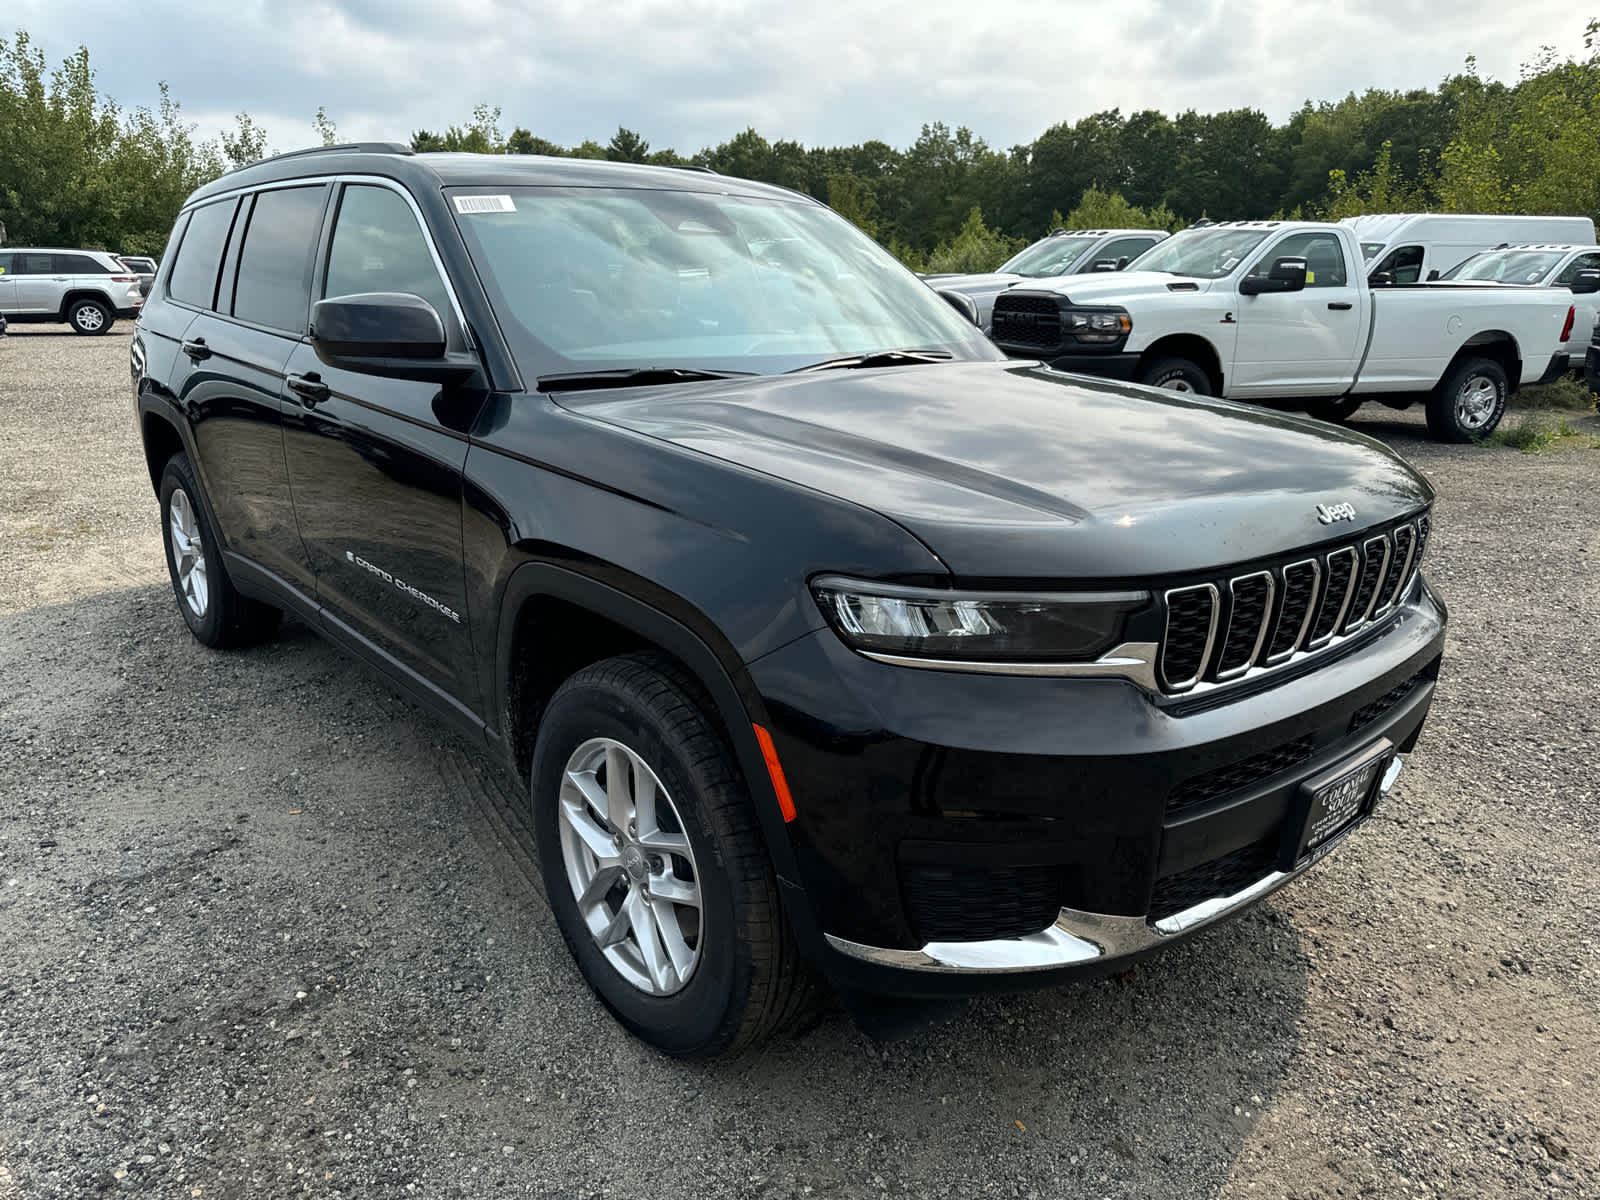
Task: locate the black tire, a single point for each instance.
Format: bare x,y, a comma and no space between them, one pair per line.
1176,375
747,981
90,317
1469,401
223,618
1337,411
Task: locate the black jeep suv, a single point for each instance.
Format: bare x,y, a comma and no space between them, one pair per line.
818,632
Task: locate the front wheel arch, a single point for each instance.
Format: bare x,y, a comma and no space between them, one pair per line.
1188,346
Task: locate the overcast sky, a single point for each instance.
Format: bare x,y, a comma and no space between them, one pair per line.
692,73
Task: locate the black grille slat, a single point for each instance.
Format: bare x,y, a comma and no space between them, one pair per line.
1220,877
1299,591
1252,594
1374,560
1340,567
1376,709
1191,615
1202,789
1399,564
977,903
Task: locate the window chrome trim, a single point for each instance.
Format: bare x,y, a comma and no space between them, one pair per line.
1312,607
1261,633
1177,686
1337,628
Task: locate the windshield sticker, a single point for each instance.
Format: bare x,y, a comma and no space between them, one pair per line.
484,204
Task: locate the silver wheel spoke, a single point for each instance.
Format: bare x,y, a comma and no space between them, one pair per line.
604,880
676,891
678,950
618,929
592,792
647,936
576,818
619,789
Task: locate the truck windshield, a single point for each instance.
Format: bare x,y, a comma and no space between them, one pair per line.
622,278
1053,256
1200,253
1524,267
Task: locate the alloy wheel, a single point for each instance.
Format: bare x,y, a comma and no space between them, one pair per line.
1476,402
188,552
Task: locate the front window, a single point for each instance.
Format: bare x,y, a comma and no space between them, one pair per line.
1201,253
626,278
1370,250
1522,267
1053,256
1324,259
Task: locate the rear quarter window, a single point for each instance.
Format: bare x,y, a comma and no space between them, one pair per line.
79,264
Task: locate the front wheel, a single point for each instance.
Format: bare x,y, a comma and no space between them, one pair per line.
655,865
1337,410
1469,401
90,317
1176,375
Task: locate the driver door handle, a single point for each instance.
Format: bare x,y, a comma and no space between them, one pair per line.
1340,305
197,349
310,388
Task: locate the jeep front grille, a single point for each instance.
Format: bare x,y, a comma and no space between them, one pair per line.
1225,629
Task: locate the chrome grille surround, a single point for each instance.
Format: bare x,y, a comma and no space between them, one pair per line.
1352,587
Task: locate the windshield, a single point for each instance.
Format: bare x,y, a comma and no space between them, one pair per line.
1053,256
1369,250
1200,253
1525,267
589,279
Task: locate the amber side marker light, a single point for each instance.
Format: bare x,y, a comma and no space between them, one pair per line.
780,785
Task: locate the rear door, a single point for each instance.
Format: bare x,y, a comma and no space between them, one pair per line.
376,464
237,349
1300,343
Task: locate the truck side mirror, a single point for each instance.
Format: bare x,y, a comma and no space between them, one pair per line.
1586,282
1105,264
1432,275
963,304
1285,275
1123,262
1382,279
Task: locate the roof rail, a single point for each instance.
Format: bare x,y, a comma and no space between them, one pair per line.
342,148
694,167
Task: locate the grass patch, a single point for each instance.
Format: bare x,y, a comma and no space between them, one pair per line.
1541,432
1569,394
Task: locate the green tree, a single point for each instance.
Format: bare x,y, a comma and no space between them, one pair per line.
326,129
1108,210
851,197
975,248
627,146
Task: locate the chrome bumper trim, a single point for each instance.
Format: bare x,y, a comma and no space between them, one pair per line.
1076,936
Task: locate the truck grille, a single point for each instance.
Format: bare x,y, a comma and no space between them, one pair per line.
1026,320
1224,629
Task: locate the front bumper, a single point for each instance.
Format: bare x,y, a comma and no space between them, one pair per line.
930,802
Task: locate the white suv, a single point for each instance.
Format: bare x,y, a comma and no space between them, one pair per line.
87,289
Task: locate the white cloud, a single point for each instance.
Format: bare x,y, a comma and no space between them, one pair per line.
691,73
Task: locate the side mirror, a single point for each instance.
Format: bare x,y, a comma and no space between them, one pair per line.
1382,279
1586,283
963,304
1105,264
1433,274
1123,262
1286,275
393,334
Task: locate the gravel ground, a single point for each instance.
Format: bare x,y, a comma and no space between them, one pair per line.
265,930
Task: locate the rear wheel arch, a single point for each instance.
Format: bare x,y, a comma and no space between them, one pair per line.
77,294
161,442
1494,344
1189,346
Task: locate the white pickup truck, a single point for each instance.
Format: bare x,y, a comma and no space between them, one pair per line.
1281,310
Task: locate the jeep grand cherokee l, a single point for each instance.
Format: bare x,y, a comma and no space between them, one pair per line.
817,632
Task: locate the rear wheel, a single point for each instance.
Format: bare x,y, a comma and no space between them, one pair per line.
90,317
1340,409
215,612
1176,375
1469,401
654,864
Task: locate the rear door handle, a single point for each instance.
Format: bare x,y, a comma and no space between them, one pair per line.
310,388
1340,305
197,349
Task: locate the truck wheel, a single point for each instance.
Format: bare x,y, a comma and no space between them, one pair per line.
655,865
1341,409
216,614
90,317
1176,375
1469,401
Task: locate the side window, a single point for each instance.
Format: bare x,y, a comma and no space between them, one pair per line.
1404,263
1322,252
379,247
193,278
274,283
78,264
1584,262
1129,248
5,264
32,264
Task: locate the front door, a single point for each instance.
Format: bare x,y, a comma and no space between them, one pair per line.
375,466
37,289
1300,343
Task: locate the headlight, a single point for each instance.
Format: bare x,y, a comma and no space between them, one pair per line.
880,618
1096,326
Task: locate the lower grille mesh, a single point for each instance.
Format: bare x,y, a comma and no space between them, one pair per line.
1220,877
1212,785
975,903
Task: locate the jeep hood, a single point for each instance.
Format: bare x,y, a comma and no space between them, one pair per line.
1015,471
1118,287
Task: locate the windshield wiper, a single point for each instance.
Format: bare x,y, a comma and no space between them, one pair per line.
572,381
878,358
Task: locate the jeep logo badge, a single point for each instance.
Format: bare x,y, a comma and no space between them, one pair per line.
1329,513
